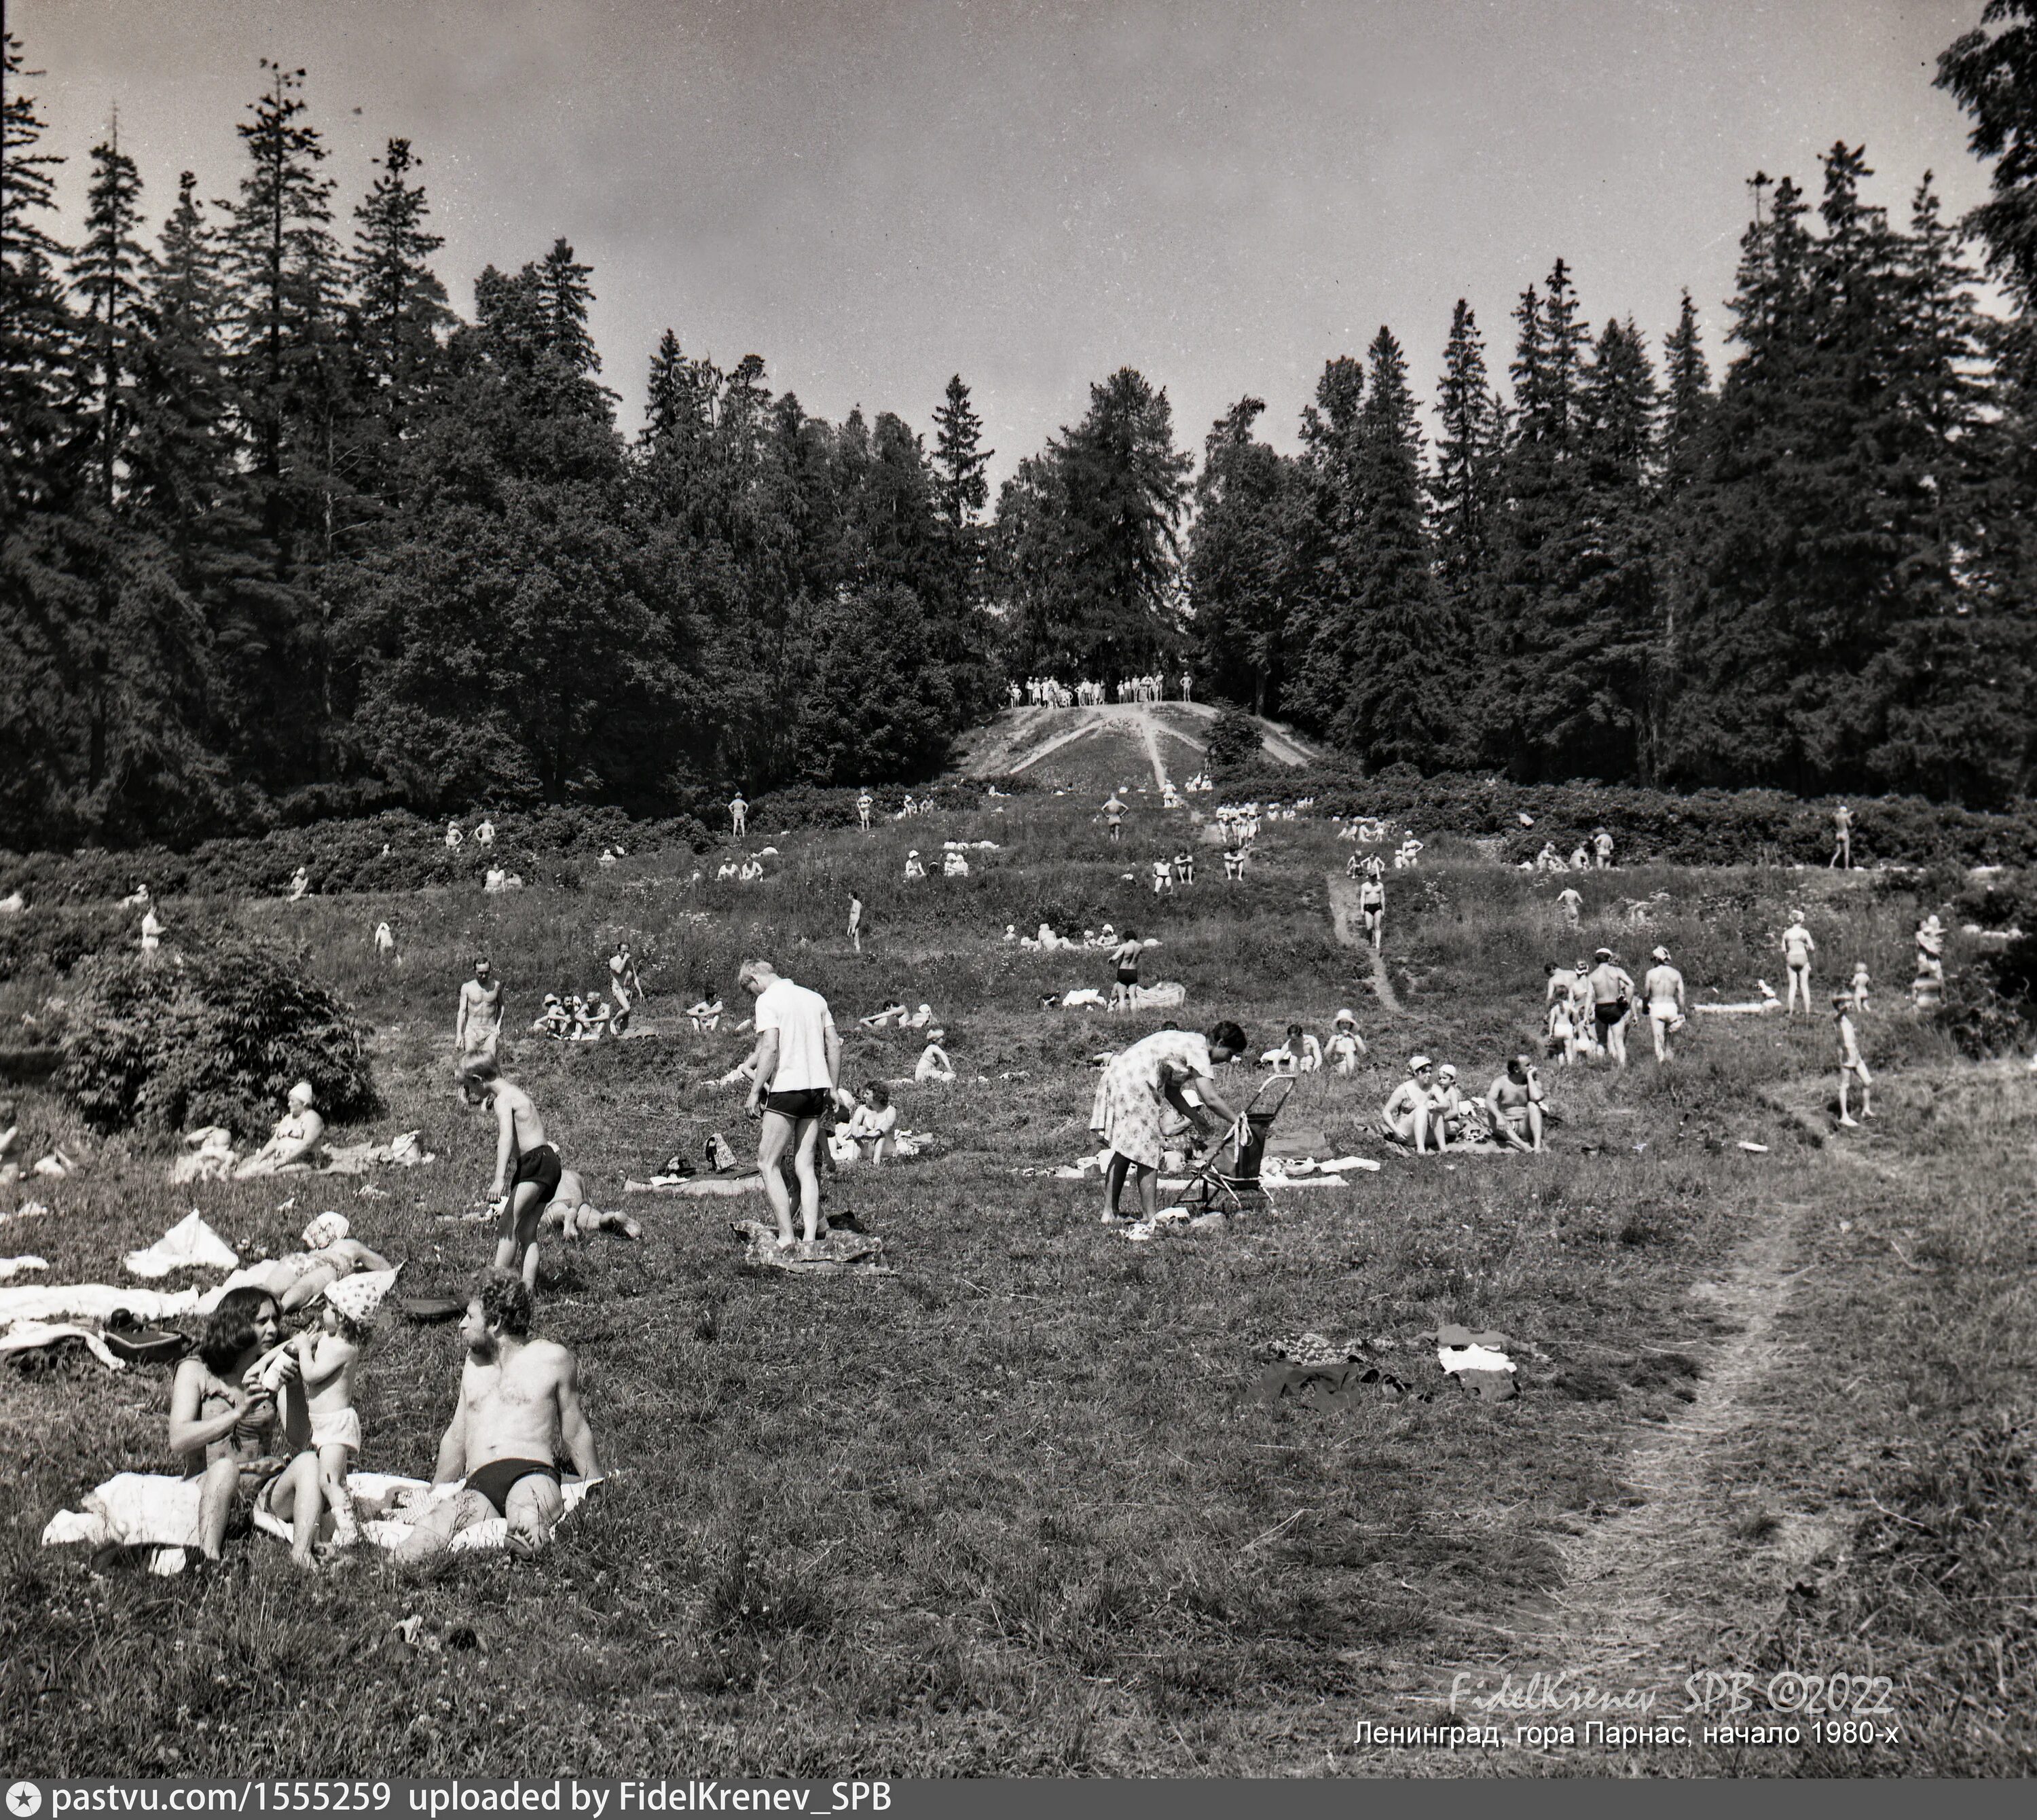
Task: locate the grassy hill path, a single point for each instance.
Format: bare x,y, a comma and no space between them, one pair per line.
1343,912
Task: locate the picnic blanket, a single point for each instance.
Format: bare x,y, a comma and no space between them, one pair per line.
14,1266
33,1336
158,1510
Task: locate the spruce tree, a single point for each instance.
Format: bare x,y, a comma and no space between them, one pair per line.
403,315
1468,445
109,271
1240,562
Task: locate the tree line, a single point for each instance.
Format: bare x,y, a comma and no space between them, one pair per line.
282,533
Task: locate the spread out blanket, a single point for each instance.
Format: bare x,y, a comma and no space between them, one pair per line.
92,1301
144,1510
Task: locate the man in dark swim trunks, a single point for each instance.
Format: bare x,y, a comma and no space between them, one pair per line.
519,1404
527,1167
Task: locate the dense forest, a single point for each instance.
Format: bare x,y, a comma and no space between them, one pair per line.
283,535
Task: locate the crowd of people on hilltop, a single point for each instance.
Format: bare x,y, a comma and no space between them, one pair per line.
1051,692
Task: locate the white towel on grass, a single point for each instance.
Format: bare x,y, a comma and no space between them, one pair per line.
189,1245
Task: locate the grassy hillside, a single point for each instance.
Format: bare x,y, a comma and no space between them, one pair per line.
1015,1509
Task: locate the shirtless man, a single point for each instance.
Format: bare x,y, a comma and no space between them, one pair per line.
1580,1007
1612,1003
1372,910
519,1404
855,922
1602,850
1797,948
1516,1099
738,816
1662,988
527,1167
1234,862
478,1024
294,1141
1852,1065
1184,867
1113,814
1572,903
1404,1118
1843,840
865,803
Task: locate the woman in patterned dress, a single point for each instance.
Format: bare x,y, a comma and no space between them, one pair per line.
1132,1099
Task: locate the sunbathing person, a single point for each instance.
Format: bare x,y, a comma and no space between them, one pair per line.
553,1020
571,1217
706,1015
519,1405
1515,1101
1345,1046
300,1278
920,1018
874,1124
913,868
246,1435
933,1064
893,1012
1446,1106
293,1143
1405,1118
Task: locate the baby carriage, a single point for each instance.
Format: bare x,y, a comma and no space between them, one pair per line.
1224,1180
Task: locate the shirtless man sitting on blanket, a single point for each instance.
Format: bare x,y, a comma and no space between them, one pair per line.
519,1404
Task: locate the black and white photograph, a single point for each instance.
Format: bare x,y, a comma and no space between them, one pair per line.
924,901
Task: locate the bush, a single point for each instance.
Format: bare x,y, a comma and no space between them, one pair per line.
1233,738
165,1041
1705,827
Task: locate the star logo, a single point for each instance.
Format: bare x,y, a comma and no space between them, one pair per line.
24,1800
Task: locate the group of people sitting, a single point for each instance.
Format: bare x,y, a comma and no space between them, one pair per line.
744,871
1302,1052
576,1018
1180,870
1596,856
1429,1112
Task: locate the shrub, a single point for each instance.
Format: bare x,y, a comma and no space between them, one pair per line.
1233,738
217,1036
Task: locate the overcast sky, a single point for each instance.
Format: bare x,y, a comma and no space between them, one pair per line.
873,195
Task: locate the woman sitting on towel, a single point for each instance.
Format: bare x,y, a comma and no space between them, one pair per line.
1132,1101
240,1423
872,1125
933,1064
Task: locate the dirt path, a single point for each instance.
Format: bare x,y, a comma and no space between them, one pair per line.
998,750
1344,913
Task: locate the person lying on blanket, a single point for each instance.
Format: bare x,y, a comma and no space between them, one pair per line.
570,1215
519,1403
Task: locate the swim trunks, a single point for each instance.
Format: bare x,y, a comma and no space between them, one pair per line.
541,1166
1607,1016
496,1480
804,1102
1127,973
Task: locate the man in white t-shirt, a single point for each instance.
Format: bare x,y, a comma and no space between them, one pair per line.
794,1070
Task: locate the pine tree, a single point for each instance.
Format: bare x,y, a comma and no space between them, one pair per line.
1091,536
959,458
1467,446
1399,705
1326,556
1688,401
403,314
1240,562
35,326
107,273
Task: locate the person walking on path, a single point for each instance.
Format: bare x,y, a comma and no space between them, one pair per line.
1842,839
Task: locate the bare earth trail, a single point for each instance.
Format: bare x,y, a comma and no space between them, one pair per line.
1343,912
1019,738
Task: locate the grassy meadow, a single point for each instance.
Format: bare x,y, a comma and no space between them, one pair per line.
1015,1507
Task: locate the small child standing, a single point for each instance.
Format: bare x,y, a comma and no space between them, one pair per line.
1852,1065
1860,985
327,1355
